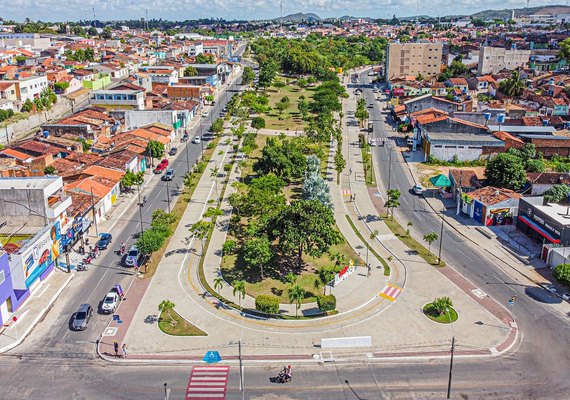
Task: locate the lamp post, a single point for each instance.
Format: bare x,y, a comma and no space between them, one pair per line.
441,236
140,208
187,159
168,196
451,359
389,166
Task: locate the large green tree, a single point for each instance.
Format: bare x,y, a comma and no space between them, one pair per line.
506,171
306,226
155,149
257,253
247,76
284,159
565,49
512,86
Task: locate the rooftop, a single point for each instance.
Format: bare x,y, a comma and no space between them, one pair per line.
36,182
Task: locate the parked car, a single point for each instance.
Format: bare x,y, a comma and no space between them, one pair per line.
185,137
417,189
173,151
165,162
110,302
169,175
566,296
133,257
372,142
196,140
205,113
551,288
159,168
370,106
104,241
82,317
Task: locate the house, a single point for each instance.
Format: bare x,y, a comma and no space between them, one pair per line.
463,181
105,192
480,83
458,83
29,88
540,182
119,99
492,206
8,91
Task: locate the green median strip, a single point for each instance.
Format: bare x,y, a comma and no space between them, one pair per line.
382,261
172,323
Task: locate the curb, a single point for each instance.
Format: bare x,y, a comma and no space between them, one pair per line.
42,313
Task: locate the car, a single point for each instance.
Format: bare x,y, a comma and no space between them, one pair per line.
173,151
370,106
159,168
566,296
207,136
224,109
417,189
196,140
551,288
165,162
104,241
372,142
133,257
110,302
169,175
82,317
185,137
205,113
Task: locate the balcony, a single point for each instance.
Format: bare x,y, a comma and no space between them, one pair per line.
57,205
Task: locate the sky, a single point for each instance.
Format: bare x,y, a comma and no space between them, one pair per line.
73,10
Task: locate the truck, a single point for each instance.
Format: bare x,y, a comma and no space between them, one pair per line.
370,126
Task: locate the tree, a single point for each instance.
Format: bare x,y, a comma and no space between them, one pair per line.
218,284
442,304
49,170
155,149
557,193
165,307
279,84
28,106
281,106
314,186
311,80
217,126
565,49
361,115
150,241
257,123
303,107
200,231
296,295
205,58
267,72
512,86
92,31
284,159
130,179
190,71
306,226
257,253
339,165
213,213
162,222
209,98
324,277
107,32
302,83
506,171
239,287
393,200
562,274
61,86
247,76
429,238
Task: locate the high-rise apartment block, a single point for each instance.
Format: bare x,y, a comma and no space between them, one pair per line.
495,59
413,59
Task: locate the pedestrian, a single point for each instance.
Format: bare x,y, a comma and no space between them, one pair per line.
354,197
369,271
124,350
116,347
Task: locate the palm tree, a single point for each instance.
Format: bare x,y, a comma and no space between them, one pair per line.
165,306
429,238
239,287
296,294
441,304
290,278
200,230
324,276
393,201
513,86
218,284
214,172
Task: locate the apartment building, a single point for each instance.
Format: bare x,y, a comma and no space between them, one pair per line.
31,87
413,59
126,99
495,59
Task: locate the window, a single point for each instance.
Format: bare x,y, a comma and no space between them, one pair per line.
437,146
2,277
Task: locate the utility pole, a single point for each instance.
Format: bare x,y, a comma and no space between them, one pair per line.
94,213
187,158
168,196
140,208
450,367
441,236
389,167
240,371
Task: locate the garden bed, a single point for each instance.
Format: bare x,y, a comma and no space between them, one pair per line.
445,318
172,323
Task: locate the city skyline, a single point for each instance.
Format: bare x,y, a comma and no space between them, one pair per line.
105,10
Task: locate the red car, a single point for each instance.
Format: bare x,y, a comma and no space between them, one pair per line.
165,162
160,168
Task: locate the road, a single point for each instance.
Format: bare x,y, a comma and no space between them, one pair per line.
545,330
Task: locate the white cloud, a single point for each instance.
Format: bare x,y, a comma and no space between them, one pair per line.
57,10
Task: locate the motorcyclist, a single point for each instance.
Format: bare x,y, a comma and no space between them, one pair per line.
122,250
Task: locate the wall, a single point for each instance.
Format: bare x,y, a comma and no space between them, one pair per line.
136,119
447,152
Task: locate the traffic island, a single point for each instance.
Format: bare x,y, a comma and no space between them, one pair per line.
447,317
171,323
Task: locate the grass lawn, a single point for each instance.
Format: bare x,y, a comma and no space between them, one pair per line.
412,243
370,176
445,318
291,118
173,324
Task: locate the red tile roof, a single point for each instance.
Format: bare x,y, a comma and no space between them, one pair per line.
491,195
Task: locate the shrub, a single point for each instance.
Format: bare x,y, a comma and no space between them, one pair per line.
327,302
200,167
229,246
267,304
562,274
228,167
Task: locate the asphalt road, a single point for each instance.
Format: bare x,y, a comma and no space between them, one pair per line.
545,331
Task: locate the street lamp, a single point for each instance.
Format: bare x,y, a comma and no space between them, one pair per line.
140,208
452,349
441,235
389,166
168,196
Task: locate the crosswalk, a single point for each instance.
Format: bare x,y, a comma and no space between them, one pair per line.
207,383
390,292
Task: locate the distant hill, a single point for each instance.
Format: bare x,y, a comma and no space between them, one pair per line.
506,13
300,17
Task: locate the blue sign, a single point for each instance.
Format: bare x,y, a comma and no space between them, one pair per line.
212,357
116,317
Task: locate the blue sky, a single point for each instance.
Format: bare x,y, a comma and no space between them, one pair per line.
62,10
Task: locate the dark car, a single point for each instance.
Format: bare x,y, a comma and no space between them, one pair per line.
82,317
169,175
173,151
185,137
104,241
134,257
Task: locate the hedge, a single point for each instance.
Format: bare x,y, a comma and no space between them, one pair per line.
267,304
327,302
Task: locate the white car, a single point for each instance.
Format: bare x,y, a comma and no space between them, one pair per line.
196,140
566,296
205,113
372,142
110,302
417,189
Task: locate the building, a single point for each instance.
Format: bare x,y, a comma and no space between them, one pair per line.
30,88
495,59
33,40
126,99
413,59
546,224
491,206
35,201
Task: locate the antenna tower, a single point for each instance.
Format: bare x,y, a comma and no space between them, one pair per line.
281,18
94,16
146,19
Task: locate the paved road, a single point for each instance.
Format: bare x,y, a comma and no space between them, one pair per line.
545,331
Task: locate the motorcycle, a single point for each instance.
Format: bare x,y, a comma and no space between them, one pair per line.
87,260
283,377
82,267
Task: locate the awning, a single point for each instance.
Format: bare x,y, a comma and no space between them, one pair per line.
538,229
440,181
